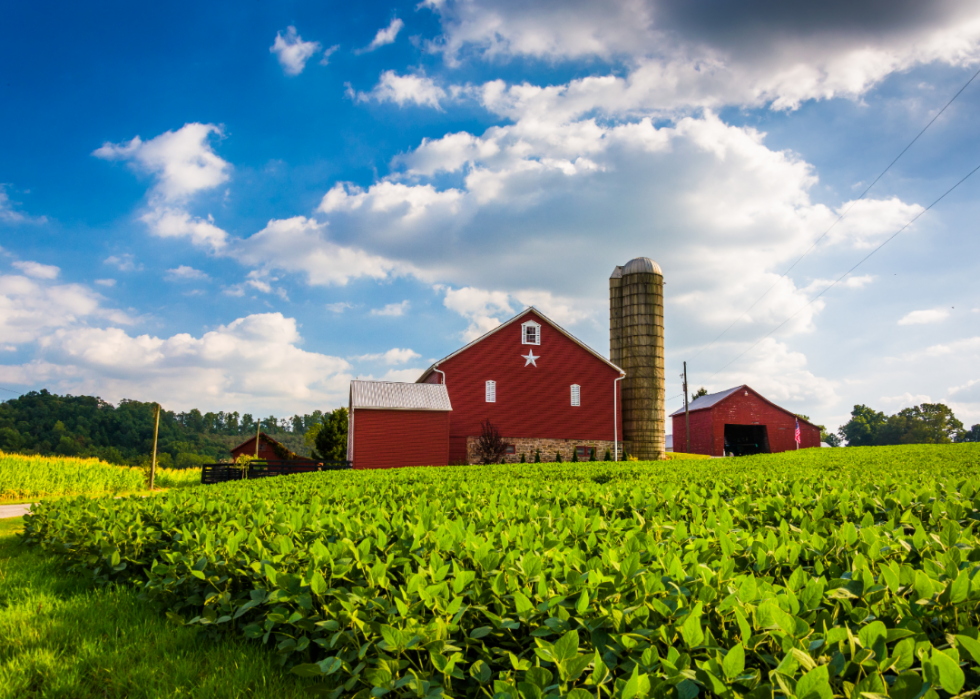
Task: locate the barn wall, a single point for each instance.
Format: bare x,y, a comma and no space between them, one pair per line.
393,438
531,401
702,435
739,409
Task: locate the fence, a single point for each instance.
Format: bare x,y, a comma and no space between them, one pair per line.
219,473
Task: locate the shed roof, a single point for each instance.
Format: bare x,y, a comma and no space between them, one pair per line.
702,402
391,395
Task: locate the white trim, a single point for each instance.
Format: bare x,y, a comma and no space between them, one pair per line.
503,325
537,332
576,395
491,391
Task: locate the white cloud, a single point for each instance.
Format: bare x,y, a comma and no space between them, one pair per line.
967,393
402,375
384,36
327,53
106,282
392,309
185,273
37,270
906,400
29,308
920,317
393,356
338,307
9,214
484,309
124,263
682,56
177,223
293,52
402,89
252,360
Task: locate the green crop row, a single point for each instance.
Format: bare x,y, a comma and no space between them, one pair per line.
846,572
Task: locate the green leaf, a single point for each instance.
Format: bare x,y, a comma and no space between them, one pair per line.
870,634
579,694
815,684
480,672
566,647
727,547
923,586
891,578
734,662
691,631
747,590
970,645
574,667
328,666
582,606
317,583
906,686
951,677
539,676
522,603
960,590
306,670
637,686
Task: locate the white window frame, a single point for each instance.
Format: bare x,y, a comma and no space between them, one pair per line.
537,332
576,395
491,391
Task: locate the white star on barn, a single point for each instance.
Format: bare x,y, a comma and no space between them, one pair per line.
531,359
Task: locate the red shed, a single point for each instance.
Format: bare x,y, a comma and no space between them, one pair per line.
740,421
398,424
542,388
269,449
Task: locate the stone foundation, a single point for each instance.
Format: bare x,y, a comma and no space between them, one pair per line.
529,446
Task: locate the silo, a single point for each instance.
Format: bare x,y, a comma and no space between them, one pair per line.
636,344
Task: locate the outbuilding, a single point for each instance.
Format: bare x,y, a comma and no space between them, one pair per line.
740,421
269,450
394,424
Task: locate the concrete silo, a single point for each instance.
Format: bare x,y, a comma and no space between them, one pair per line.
636,344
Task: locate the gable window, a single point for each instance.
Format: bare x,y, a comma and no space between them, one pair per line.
576,395
530,333
491,391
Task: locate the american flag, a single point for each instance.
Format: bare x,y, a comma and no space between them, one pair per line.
797,435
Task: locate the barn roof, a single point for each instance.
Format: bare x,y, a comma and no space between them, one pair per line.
529,309
713,399
391,395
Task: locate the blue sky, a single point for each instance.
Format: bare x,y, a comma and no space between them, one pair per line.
243,207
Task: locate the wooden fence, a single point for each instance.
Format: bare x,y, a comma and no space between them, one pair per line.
219,473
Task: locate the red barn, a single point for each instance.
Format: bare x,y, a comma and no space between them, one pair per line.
543,389
740,421
397,424
269,449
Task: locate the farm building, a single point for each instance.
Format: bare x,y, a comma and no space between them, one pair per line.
269,449
398,424
740,421
543,389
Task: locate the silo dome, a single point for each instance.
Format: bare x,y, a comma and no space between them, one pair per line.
641,265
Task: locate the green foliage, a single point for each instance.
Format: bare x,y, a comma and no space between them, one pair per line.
811,574
331,438
537,456
971,435
700,392
558,458
929,423
608,456
523,458
592,454
574,455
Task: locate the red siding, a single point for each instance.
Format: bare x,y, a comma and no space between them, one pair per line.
393,438
532,401
708,429
265,451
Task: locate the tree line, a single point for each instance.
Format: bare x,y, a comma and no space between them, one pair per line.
928,423
45,423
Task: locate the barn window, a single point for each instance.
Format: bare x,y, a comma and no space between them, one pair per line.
584,453
510,449
576,395
491,391
531,333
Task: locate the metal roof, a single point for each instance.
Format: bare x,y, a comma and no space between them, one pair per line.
639,265
707,401
391,395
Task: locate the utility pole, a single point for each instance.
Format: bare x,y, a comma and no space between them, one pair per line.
156,432
687,414
258,426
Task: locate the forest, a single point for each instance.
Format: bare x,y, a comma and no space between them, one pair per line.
44,423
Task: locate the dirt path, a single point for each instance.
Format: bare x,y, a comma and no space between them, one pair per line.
14,510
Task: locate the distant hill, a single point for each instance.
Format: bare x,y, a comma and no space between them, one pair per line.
45,423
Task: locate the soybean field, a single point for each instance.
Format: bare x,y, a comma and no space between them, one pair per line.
821,573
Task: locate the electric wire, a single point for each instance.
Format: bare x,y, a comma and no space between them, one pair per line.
839,218
848,272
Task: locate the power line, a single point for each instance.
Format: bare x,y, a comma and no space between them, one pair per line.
10,390
841,277
841,217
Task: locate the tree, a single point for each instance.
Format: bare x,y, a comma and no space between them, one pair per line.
831,439
970,435
490,445
700,392
331,439
862,429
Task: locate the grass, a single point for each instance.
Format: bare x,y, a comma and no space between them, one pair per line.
62,637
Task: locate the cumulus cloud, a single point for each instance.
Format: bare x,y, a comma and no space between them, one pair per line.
921,317
106,282
37,270
124,263
182,164
292,51
339,306
395,355
967,393
10,214
384,36
906,400
689,54
186,273
392,309
252,360
404,89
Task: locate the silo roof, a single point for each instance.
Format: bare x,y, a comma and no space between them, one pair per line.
641,265
392,395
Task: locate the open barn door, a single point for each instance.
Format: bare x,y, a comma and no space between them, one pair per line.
742,440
